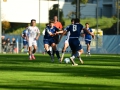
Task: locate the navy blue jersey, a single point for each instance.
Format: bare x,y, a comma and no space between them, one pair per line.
75,30
87,35
52,30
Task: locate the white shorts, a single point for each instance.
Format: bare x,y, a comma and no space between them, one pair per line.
66,41
32,42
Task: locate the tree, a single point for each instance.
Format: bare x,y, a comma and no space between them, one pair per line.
81,1
54,12
78,2
5,26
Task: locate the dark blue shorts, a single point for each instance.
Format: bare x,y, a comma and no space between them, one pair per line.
74,44
87,42
48,41
25,43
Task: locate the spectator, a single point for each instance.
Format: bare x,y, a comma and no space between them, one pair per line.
3,44
13,45
8,45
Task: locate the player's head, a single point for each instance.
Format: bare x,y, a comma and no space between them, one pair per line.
55,18
51,23
72,21
77,20
87,25
47,24
33,22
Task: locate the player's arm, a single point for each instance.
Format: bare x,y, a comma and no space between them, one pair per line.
38,34
82,34
22,35
64,32
26,34
85,29
59,32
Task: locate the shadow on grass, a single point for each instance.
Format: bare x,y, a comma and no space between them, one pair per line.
92,67
40,85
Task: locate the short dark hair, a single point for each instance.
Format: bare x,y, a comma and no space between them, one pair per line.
86,23
77,20
72,20
33,20
51,21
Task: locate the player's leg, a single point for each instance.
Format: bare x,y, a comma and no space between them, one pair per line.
56,41
34,44
73,48
30,52
89,48
66,44
46,46
22,50
30,49
47,49
56,51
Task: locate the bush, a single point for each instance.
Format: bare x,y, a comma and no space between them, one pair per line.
5,26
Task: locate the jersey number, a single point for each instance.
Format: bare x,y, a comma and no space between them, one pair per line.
74,28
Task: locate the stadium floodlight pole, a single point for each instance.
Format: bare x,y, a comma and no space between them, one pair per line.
97,23
77,8
117,17
58,11
39,14
0,30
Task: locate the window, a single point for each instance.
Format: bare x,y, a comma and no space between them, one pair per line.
68,0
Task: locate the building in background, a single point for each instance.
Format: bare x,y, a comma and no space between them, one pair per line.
107,8
23,11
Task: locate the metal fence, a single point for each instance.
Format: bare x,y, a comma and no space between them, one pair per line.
106,44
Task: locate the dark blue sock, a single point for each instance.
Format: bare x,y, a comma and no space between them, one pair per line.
57,54
49,53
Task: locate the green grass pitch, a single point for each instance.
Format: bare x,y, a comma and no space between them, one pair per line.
99,72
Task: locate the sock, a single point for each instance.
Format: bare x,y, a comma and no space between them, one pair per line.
77,54
73,56
49,53
57,54
29,56
53,52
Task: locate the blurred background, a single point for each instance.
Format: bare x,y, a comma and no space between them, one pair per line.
102,15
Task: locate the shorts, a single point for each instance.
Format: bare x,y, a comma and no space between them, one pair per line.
56,39
25,43
87,42
32,42
66,41
74,44
48,41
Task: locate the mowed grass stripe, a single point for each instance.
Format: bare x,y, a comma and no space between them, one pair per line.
99,72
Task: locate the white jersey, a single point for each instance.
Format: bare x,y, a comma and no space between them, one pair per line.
32,32
68,33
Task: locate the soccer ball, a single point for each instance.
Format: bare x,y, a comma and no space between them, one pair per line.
67,60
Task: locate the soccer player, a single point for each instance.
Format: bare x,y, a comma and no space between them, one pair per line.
50,32
88,38
59,26
33,34
66,44
74,42
25,42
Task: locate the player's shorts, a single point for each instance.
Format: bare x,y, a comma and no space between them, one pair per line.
25,43
66,41
74,44
49,41
87,42
56,39
32,42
